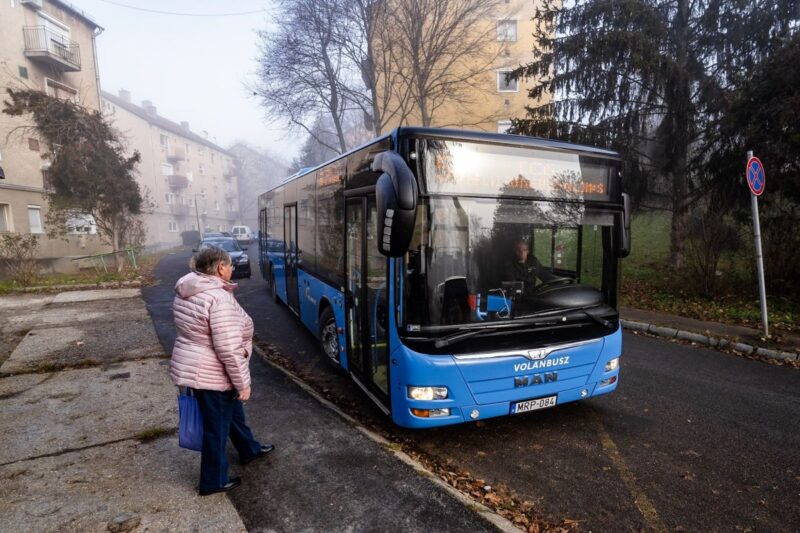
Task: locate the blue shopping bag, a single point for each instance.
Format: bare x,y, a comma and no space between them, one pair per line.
190,421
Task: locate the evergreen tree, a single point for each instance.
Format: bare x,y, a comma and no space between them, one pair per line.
648,78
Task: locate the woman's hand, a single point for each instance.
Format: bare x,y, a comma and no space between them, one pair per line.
244,395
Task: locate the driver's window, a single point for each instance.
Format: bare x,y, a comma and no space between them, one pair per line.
542,244
556,250
565,252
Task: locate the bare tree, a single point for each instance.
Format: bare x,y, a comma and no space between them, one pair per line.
386,59
302,70
366,34
443,50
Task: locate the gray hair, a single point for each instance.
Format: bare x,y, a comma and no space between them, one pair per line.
207,261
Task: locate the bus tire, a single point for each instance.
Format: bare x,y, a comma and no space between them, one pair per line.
328,337
273,289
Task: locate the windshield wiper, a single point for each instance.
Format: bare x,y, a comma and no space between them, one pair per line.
599,320
472,332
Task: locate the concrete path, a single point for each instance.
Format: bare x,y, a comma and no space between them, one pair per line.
94,449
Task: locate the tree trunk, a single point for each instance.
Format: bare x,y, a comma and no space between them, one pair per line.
679,138
115,238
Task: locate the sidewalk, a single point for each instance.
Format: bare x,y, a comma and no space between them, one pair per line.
89,443
737,338
83,397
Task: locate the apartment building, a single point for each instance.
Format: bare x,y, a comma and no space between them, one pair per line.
257,173
46,45
491,99
190,181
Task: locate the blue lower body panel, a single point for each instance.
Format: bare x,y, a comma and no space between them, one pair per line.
483,386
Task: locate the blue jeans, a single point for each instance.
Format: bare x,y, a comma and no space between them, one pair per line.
223,416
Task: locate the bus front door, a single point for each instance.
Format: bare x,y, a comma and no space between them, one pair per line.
366,301
290,255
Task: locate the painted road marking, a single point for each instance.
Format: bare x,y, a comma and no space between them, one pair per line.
640,499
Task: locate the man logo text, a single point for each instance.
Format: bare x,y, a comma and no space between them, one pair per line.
536,379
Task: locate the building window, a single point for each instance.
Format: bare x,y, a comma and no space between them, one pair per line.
189,175
35,218
169,198
212,157
202,170
33,144
53,24
507,30
216,205
164,140
166,169
504,84
23,72
47,184
503,126
61,91
5,218
219,227
173,226
80,224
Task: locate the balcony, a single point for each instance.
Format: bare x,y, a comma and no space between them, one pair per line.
177,181
52,48
176,154
180,210
230,195
229,174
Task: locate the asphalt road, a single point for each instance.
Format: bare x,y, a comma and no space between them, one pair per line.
693,439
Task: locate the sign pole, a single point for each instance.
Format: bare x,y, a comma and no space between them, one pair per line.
759,259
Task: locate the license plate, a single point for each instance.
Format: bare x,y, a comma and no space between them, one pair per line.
533,405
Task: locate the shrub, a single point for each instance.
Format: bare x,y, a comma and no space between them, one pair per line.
18,254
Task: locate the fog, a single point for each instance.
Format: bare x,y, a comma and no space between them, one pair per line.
193,68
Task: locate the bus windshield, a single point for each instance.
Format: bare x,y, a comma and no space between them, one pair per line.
478,260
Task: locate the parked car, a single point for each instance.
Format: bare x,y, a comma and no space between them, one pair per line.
241,262
241,234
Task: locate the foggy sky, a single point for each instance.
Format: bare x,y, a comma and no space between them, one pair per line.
191,68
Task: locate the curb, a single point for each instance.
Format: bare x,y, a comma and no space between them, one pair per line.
500,522
133,284
714,342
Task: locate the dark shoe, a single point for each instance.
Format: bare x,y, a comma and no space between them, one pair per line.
231,484
265,449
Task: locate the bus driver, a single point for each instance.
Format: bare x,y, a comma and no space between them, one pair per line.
525,267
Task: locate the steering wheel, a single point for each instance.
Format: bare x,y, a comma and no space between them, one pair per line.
556,282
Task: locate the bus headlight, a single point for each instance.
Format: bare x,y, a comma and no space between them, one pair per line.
427,393
612,365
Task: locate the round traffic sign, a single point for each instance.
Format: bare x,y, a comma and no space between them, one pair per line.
756,176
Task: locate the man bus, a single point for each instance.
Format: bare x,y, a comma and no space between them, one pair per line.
396,256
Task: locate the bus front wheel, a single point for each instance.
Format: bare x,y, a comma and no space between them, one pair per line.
328,337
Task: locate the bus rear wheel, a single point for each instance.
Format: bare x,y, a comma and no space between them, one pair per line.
328,337
273,289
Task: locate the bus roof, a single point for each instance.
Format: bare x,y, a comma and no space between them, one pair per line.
503,138
466,135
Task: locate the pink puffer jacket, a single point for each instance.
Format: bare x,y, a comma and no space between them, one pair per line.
215,335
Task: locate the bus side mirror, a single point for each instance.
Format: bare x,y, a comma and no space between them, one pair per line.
396,198
625,227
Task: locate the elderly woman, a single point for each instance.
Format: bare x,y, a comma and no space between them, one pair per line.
211,356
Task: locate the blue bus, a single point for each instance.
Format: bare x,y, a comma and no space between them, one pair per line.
456,275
